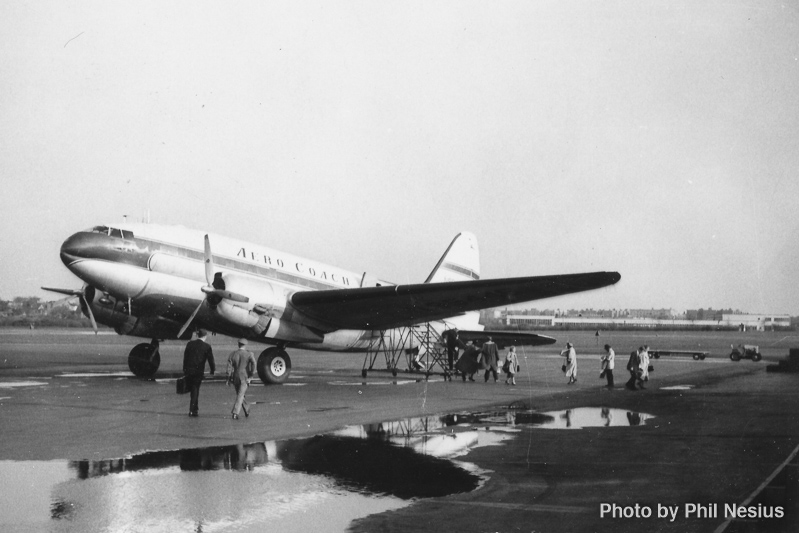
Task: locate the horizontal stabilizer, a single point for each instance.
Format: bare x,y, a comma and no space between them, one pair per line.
506,338
403,305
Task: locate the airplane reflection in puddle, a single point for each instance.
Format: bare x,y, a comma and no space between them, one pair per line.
319,483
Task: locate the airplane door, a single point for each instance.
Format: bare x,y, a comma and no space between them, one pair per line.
367,280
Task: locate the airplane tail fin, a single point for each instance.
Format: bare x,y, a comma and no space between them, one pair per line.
461,261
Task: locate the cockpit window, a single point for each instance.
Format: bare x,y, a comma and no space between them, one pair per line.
113,232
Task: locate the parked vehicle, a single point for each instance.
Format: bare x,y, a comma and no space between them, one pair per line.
745,351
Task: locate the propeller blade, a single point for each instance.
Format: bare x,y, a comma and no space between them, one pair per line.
89,310
209,263
68,292
227,295
189,321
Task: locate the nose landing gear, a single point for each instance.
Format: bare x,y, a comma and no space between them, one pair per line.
144,359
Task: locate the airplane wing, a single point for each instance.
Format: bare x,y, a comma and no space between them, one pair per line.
505,338
404,305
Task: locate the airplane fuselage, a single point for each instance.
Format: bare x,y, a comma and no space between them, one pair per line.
145,280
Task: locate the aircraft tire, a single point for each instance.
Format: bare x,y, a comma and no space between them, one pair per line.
144,360
274,366
696,357
702,357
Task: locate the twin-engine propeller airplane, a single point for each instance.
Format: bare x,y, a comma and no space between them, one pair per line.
154,281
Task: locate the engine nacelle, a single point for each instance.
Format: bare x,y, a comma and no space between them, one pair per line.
263,314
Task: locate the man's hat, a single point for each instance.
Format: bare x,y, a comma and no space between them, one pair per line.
202,333
242,342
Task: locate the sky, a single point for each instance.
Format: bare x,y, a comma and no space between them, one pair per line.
655,139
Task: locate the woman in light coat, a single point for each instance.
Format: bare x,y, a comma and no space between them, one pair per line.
511,365
643,358
571,362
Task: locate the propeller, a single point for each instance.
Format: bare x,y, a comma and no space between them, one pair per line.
82,295
213,293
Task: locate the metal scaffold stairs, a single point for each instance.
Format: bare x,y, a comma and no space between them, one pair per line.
420,345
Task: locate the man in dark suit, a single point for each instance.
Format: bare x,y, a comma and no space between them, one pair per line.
194,358
454,344
490,359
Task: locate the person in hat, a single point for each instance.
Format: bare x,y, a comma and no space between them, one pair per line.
571,362
196,354
240,368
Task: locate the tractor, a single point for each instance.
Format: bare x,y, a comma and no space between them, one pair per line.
745,351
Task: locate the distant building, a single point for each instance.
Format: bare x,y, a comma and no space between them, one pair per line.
659,318
759,322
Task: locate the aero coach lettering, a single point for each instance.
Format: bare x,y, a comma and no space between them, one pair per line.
267,260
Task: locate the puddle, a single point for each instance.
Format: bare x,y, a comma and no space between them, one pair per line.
98,375
15,384
393,382
678,387
587,417
311,484
321,483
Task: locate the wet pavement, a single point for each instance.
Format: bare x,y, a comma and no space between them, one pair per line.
292,484
86,447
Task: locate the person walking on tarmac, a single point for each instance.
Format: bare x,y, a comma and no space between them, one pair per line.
633,364
511,366
467,364
490,359
571,362
240,368
643,366
454,344
196,354
608,364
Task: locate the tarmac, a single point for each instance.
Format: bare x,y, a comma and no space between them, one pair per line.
720,434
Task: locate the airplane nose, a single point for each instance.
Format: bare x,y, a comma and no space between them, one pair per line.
75,247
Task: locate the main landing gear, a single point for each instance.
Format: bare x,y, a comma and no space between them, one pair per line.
274,366
144,359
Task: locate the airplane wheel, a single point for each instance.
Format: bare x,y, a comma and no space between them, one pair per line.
144,360
394,372
702,357
696,357
274,366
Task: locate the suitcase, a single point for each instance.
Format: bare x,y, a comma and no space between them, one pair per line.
182,386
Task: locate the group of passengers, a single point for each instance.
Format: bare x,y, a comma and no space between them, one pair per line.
476,357
638,365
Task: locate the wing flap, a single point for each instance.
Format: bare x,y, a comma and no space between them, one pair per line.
403,305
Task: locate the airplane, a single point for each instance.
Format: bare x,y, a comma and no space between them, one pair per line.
162,282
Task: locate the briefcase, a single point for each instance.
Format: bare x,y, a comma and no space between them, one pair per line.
182,387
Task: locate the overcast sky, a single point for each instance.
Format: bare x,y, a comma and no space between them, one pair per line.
656,139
